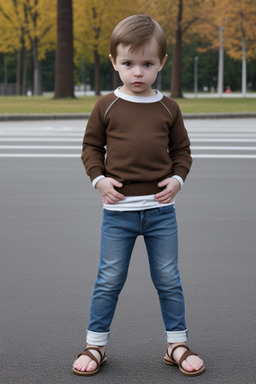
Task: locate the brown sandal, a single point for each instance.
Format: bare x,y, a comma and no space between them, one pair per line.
87,352
170,361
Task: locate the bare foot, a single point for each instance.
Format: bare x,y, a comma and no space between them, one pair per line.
85,363
192,363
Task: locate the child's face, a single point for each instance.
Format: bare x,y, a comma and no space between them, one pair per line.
138,69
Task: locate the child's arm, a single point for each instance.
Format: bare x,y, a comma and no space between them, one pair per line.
179,144
179,152
94,143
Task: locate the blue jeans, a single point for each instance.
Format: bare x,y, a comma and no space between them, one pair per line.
118,235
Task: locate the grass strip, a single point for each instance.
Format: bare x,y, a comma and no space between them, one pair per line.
44,104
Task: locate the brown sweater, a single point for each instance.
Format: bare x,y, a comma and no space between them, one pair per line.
146,142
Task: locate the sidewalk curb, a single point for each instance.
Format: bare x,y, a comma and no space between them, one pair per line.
85,116
227,115
44,116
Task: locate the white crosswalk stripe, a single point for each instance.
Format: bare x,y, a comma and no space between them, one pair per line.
41,139
223,139
214,139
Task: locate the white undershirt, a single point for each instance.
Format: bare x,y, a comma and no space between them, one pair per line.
135,203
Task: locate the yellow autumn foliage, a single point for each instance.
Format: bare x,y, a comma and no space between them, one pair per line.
24,22
94,21
238,20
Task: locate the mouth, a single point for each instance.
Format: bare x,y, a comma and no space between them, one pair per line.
137,83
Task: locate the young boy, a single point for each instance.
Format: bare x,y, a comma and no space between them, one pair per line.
136,153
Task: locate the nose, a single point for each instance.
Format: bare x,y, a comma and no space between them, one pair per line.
138,71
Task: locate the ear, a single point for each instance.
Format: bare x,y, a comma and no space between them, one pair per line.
163,62
113,62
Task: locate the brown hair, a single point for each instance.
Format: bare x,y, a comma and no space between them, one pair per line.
135,31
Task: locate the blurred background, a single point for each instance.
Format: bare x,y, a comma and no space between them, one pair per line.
62,47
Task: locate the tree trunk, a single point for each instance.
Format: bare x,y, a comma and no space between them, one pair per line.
18,70
176,81
244,75
5,75
37,71
96,73
221,63
64,81
5,69
24,73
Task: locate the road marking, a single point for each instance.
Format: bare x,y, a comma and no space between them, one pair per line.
59,139
40,147
218,142
220,135
215,148
198,148
223,156
69,155
222,140
41,155
41,135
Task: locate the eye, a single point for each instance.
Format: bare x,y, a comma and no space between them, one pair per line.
127,64
148,65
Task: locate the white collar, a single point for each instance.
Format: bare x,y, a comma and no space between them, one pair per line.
139,99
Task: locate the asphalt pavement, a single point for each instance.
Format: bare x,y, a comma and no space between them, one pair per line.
49,243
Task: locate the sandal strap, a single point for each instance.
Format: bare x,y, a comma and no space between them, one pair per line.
89,354
97,349
185,355
178,346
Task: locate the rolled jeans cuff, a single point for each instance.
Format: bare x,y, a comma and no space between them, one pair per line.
97,338
176,336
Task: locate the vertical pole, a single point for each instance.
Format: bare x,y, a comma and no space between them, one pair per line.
5,75
221,62
244,75
196,75
83,77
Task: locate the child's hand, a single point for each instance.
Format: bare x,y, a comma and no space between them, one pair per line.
108,192
172,187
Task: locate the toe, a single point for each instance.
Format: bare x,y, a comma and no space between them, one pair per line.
191,363
81,364
91,366
199,365
185,365
195,362
79,367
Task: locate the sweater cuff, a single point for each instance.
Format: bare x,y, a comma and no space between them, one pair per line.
95,181
179,179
